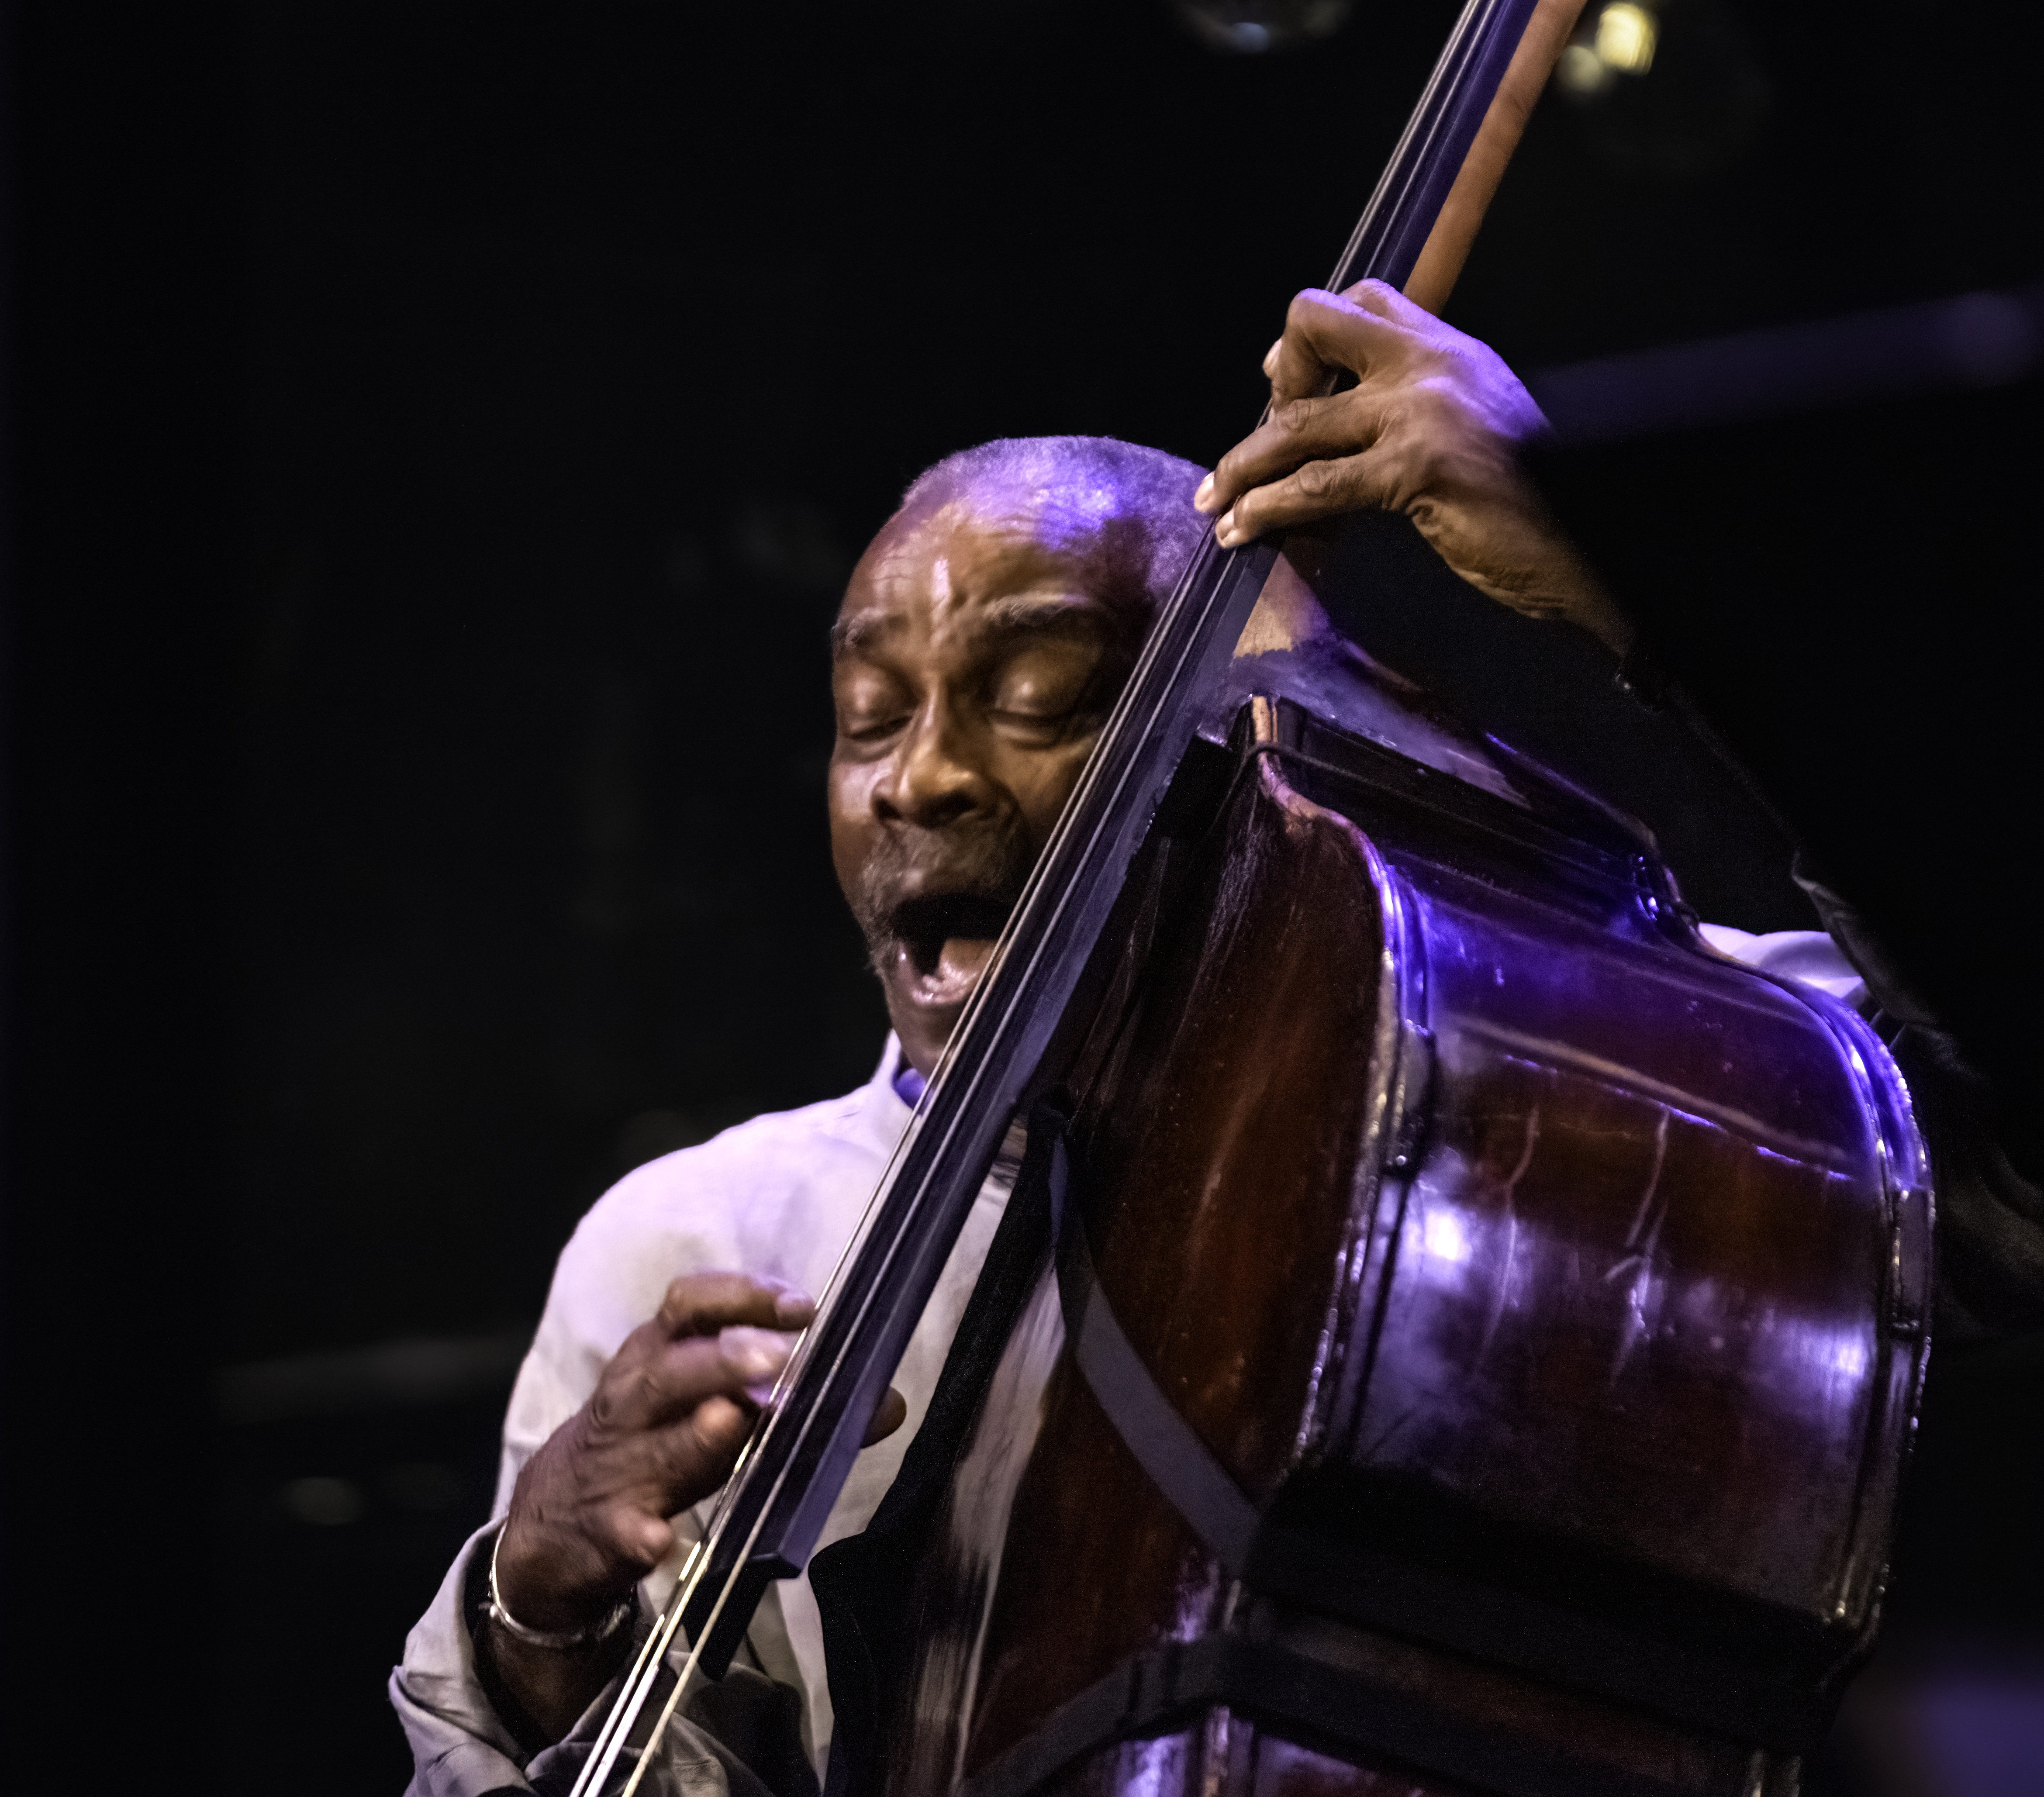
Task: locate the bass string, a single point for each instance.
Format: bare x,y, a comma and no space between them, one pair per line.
648,1665
625,1712
683,1679
1190,643
1383,233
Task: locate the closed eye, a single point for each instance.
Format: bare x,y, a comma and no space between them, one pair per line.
872,704
1042,682
1053,688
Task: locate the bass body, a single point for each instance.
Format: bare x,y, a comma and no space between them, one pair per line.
1468,1339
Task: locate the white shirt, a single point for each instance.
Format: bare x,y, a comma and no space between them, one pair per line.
779,1196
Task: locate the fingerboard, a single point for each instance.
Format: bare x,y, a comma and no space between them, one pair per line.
774,1507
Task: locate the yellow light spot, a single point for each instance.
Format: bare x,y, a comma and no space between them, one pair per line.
1625,37
1579,71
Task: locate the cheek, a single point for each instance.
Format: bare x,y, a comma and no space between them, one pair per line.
1042,785
849,794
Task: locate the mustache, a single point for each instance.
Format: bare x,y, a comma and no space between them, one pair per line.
920,887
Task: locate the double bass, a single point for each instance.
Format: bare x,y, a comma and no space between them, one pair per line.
1453,1332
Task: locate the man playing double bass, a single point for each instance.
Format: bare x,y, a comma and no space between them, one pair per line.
982,640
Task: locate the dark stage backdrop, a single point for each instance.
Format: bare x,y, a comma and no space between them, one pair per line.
441,435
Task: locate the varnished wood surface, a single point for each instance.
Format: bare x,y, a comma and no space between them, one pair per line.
1226,1113
1628,1300
1207,1151
1433,277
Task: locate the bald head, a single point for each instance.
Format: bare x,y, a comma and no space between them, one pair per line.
1126,503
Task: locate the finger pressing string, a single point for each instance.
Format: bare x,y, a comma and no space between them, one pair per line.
1324,330
1347,483
1386,301
1297,432
653,1381
755,1357
702,1303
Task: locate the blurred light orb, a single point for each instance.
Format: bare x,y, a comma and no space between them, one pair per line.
1625,34
1666,89
1621,40
1251,27
1581,71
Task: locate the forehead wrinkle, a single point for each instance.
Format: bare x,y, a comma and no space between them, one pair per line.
1007,615
997,523
882,594
1041,614
1090,535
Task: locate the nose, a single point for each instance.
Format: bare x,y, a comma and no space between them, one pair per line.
935,778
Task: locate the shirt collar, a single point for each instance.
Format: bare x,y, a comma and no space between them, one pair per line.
899,1083
899,1087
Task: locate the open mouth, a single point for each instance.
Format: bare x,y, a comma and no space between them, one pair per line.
942,941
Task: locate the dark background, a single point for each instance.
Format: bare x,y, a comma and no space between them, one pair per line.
438,435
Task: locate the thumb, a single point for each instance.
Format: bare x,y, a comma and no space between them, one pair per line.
889,1414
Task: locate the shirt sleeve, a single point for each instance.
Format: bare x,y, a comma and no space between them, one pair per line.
1808,955
461,1748
1990,1215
